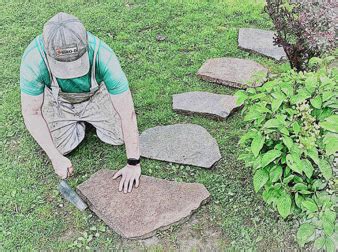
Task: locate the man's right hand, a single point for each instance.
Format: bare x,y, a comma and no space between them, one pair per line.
63,167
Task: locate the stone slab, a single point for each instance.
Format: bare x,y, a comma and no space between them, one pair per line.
154,205
233,72
204,103
188,144
260,41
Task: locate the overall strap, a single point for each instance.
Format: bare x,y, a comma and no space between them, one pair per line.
54,84
94,85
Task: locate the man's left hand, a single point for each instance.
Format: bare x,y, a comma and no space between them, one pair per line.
130,174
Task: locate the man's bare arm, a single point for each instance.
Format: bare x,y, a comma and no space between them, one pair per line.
37,127
123,104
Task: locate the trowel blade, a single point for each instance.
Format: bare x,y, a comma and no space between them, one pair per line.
69,194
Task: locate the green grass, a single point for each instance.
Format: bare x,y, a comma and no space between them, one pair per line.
34,216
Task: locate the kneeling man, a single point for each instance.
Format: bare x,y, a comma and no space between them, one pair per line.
68,77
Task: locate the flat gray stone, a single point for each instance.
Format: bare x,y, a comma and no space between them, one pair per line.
205,103
260,41
233,72
154,205
188,144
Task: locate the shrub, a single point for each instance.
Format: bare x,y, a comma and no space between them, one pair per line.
290,142
305,29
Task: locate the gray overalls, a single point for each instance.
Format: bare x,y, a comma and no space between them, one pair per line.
65,113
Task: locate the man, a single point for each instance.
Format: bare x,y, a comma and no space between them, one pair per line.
68,77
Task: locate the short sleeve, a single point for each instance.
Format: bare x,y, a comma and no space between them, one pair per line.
31,74
111,71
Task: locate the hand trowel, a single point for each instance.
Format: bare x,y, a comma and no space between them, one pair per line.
69,194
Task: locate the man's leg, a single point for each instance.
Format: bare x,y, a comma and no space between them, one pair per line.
99,112
66,131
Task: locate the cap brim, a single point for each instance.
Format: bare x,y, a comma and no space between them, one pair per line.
69,70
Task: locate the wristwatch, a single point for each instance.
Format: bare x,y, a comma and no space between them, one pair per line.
133,161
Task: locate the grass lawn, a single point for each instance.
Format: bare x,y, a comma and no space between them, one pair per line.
33,214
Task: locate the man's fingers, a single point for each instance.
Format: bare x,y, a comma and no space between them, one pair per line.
131,183
137,182
69,171
118,173
121,183
125,185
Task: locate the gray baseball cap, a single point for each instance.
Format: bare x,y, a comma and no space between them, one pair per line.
66,45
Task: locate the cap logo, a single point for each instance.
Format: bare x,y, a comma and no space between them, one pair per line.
66,50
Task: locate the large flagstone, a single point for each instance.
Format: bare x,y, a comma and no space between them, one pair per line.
189,144
233,72
260,41
155,205
204,103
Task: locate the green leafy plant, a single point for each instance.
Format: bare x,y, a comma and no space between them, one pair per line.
291,139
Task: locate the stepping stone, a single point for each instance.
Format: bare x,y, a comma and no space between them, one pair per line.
233,72
155,205
260,41
188,144
205,103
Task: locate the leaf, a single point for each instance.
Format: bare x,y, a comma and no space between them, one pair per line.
241,97
284,131
325,169
328,227
319,243
272,123
302,95
331,143
318,185
276,173
329,245
257,144
311,83
330,123
287,88
277,101
252,115
307,168
288,142
313,154
327,95
300,187
316,102
304,233
260,178
329,215
284,205
270,156
288,179
310,205
328,219
294,163
248,135
298,199
296,128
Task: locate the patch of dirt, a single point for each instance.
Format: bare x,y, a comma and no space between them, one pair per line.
69,235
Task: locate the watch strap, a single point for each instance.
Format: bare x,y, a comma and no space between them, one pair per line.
133,161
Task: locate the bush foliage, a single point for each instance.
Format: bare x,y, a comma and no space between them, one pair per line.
291,139
305,29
